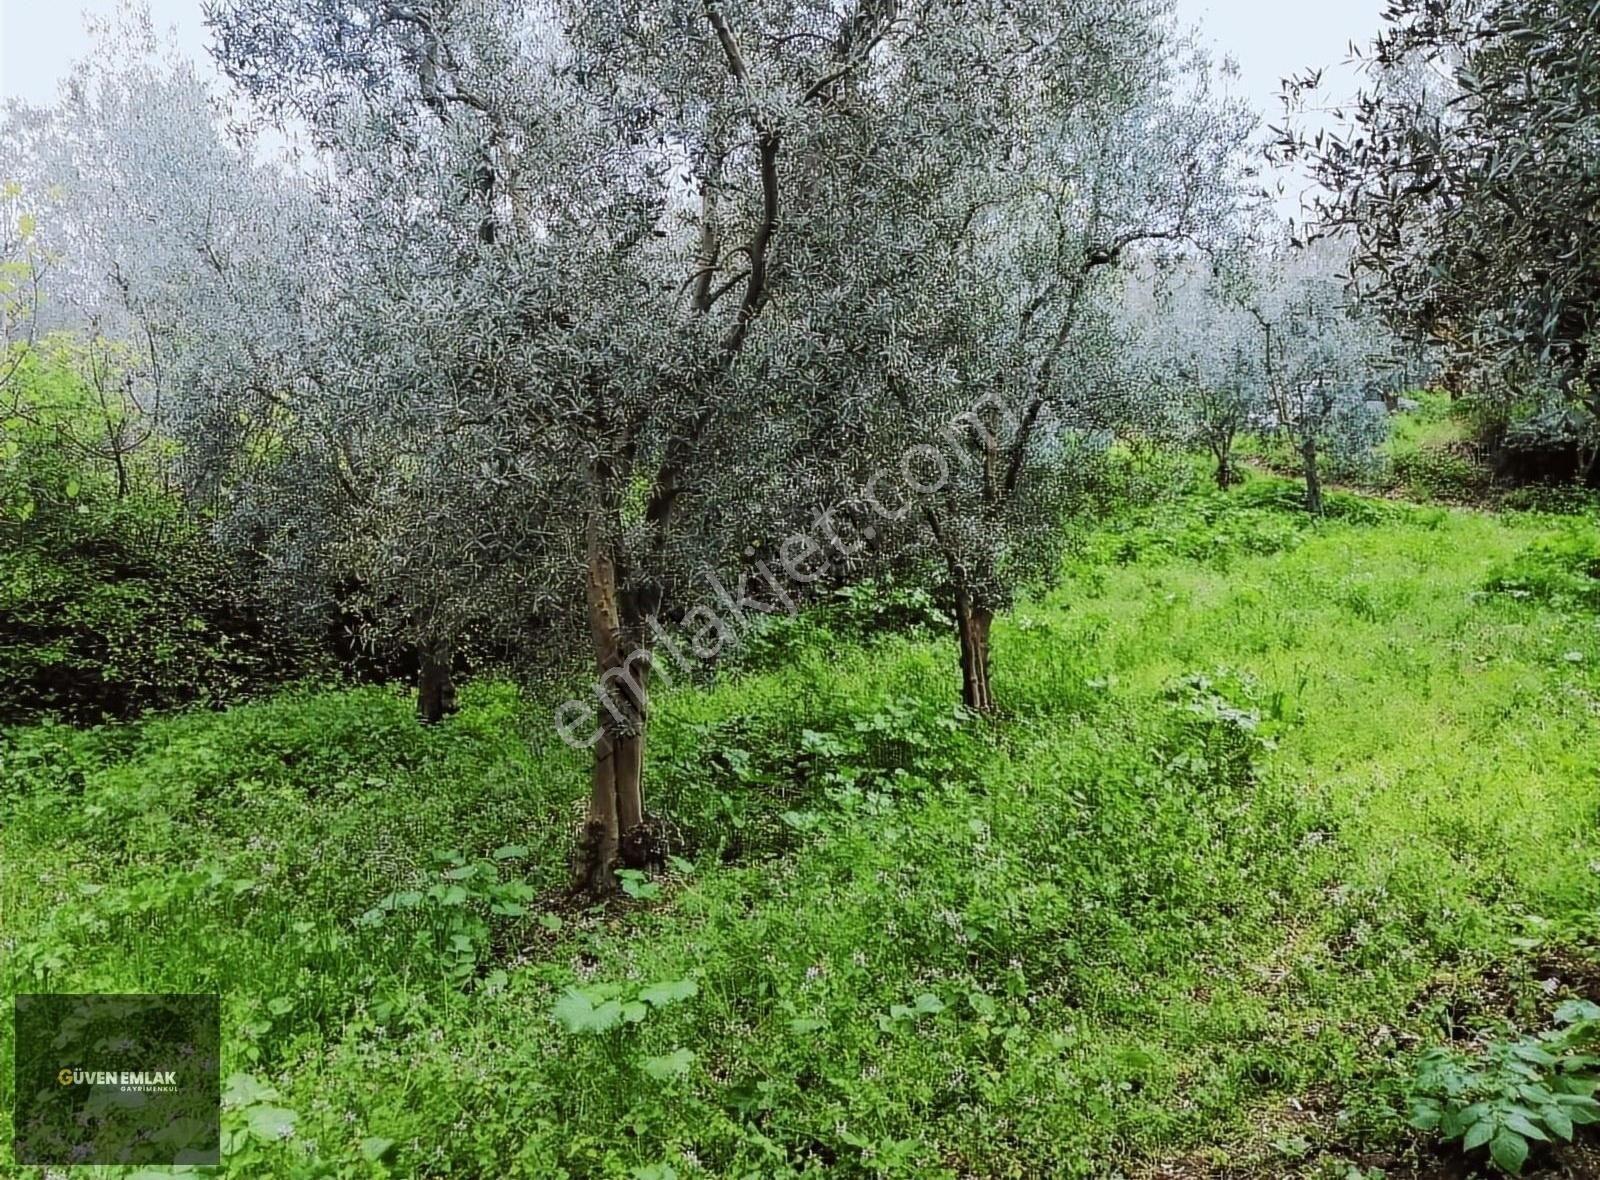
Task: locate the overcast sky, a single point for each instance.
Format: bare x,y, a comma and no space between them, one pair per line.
40,38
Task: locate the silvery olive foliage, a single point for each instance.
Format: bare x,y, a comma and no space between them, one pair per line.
571,305
1004,362
565,224
1467,180
618,273
164,235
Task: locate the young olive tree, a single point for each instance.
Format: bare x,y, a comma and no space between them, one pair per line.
1207,361
1005,366
1320,358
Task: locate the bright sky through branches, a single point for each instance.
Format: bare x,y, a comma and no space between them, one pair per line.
39,40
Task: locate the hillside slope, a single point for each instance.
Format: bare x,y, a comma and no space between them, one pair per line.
1274,807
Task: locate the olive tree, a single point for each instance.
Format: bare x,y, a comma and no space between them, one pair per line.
1207,362
1006,364
589,242
1466,178
214,277
1321,358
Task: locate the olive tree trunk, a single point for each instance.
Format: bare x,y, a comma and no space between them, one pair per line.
972,632
1308,456
615,833
436,686
1224,467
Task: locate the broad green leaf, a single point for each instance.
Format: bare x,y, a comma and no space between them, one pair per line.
606,1016
1425,1115
671,991
1573,1011
670,1065
1533,1053
1580,1109
242,1089
1523,1125
1557,1120
270,1123
573,1011
1510,1151
655,1172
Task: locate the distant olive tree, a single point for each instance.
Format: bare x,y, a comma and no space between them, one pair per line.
215,282
1321,358
1206,360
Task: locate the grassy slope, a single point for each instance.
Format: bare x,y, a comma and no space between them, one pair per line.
1119,928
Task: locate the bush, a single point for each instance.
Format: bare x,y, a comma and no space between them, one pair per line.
1519,1092
1563,569
1552,499
112,599
118,607
1439,473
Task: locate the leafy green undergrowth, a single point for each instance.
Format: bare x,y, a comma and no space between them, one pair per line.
1516,1093
1271,798
1561,567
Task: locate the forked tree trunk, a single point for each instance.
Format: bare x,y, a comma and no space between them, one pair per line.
1224,471
972,630
1308,455
615,831
436,686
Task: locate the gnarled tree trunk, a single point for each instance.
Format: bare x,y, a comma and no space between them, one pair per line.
1308,455
615,832
972,631
436,686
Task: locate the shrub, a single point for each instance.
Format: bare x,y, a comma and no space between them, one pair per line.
1439,473
100,623
112,599
1563,568
1552,499
1532,1089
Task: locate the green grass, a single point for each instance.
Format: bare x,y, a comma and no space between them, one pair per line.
1433,424
1428,454
1273,804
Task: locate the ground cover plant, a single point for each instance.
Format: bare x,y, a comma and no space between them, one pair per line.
1275,807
